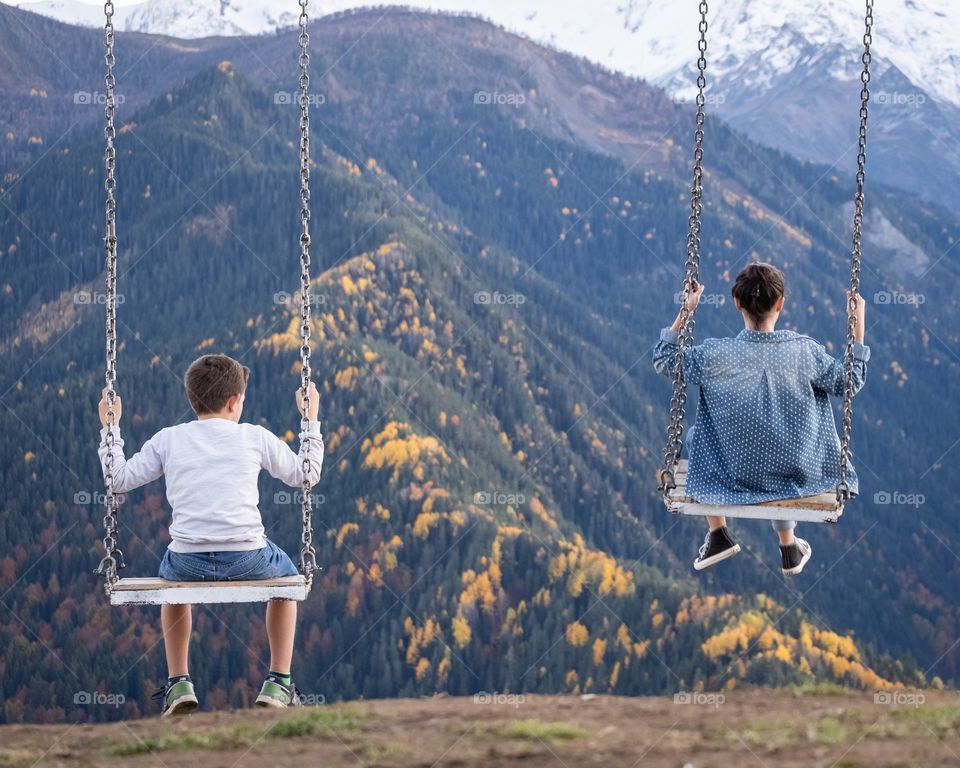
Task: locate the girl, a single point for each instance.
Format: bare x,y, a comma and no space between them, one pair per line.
764,428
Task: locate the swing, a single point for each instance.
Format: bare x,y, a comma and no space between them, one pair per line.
156,591
672,477
822,508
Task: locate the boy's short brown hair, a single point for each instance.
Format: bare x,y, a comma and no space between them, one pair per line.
212,380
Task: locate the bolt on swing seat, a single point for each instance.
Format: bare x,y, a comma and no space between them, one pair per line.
822,508
155,591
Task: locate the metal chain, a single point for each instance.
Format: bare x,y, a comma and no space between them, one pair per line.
113,555
308,555
846,455
678,400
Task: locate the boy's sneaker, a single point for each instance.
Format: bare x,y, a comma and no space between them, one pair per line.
795,557
275,693
178,696
718,545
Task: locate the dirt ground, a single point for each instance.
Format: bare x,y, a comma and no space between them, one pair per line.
744,728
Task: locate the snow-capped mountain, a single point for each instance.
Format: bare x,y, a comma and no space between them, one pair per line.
784,72
177,19
648,38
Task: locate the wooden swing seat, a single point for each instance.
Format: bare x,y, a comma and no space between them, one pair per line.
156,591
822,508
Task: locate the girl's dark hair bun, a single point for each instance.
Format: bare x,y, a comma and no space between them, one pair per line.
758,288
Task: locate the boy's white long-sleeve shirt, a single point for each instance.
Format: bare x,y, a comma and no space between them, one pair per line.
211,468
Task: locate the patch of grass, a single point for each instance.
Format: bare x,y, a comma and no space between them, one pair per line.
829,730
535,730
768,735
315,723
782,733
927,720
374,754
12,757
821,688
144,746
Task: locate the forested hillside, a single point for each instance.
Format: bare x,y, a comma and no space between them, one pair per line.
490,279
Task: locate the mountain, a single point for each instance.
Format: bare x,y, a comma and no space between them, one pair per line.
186,20
498,235
757,41
785,74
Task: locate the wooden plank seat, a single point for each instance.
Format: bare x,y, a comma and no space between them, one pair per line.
822,508
156,591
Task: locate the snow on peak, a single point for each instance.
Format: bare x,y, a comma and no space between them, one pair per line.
648,38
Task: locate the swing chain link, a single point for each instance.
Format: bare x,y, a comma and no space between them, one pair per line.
678,399
308,555
113,556
846,453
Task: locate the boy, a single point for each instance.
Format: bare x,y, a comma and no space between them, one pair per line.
211,467
764,428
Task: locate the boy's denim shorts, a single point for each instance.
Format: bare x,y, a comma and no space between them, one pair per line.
253,564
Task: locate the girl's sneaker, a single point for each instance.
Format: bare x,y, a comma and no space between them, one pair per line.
795,557
177,695
274,693
718,545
